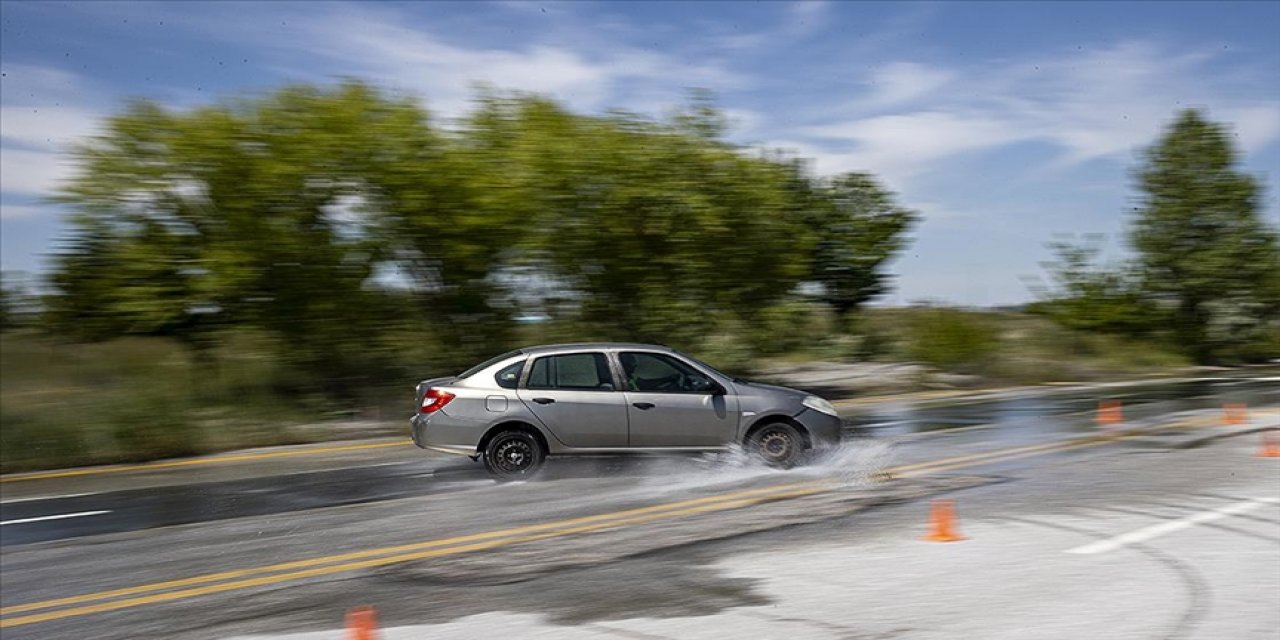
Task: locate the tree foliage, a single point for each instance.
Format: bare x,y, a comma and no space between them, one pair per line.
1201,242
1206,265
1089,295
858,226
333,218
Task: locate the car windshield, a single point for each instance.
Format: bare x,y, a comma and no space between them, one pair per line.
488,363
704,366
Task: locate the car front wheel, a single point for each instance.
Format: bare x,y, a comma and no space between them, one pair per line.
513,455
778,445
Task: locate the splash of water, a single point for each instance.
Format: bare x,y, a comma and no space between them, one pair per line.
853,463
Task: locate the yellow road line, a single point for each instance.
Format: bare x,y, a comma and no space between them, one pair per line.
325,565
927,469
494,538
44,475
1001,453
719,505
297,564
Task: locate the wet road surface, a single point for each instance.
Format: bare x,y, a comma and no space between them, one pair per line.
430,539
966,427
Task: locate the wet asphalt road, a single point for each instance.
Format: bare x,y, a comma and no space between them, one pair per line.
155,527
1019,420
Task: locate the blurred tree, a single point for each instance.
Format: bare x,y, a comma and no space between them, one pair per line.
252,214
657,227
8,304
858,226
1087,295
1202,245
343,224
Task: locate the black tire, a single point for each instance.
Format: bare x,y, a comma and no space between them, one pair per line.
778,444
513,455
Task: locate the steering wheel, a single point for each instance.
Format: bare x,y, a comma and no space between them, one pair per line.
668,383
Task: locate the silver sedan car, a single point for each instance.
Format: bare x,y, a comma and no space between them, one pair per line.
609,398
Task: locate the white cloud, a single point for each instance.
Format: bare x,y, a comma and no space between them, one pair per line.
378,44
41,115
1103,103
28,83
1254,126
901,145
32,173
47,128
902,82
797,21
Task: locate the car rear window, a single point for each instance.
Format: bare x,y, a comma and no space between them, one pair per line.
509,376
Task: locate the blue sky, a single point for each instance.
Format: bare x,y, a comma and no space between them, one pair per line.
1002,123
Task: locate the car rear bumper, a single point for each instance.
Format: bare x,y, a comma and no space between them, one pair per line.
442,435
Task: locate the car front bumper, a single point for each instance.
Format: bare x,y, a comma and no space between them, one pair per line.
824,428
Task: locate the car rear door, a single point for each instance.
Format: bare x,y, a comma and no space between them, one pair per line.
670,403
575,397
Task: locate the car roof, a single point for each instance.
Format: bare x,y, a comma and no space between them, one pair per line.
603,346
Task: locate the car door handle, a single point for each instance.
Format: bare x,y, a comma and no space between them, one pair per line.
544,400
643,405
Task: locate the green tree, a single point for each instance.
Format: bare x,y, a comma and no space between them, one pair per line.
655,227
8,305
285,213
1201,243
858,226
1089,295
257,213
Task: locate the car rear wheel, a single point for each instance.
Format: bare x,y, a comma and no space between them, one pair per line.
778,445
513,455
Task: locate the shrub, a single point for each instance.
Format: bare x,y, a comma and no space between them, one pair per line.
952,339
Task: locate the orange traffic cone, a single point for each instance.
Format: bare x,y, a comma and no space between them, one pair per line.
1109,412
1270,445
362,623
1234,413
942,521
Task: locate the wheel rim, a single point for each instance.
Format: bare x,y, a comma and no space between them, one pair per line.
775,445
513,456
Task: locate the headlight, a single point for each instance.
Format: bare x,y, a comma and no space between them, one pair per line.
818,404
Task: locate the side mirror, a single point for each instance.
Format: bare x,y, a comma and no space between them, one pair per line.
716,389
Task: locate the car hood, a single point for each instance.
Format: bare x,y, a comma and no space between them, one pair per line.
771,389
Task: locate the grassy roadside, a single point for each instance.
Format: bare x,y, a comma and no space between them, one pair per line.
980,349
1015,348
139,399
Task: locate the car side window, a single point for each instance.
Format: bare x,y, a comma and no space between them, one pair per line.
573,371
509,375
660,373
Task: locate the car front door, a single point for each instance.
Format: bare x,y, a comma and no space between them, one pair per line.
670,403
574,396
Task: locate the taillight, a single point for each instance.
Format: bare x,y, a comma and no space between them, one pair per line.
435,400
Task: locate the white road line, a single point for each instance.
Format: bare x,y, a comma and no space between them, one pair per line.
1154,531
34,498
60,516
